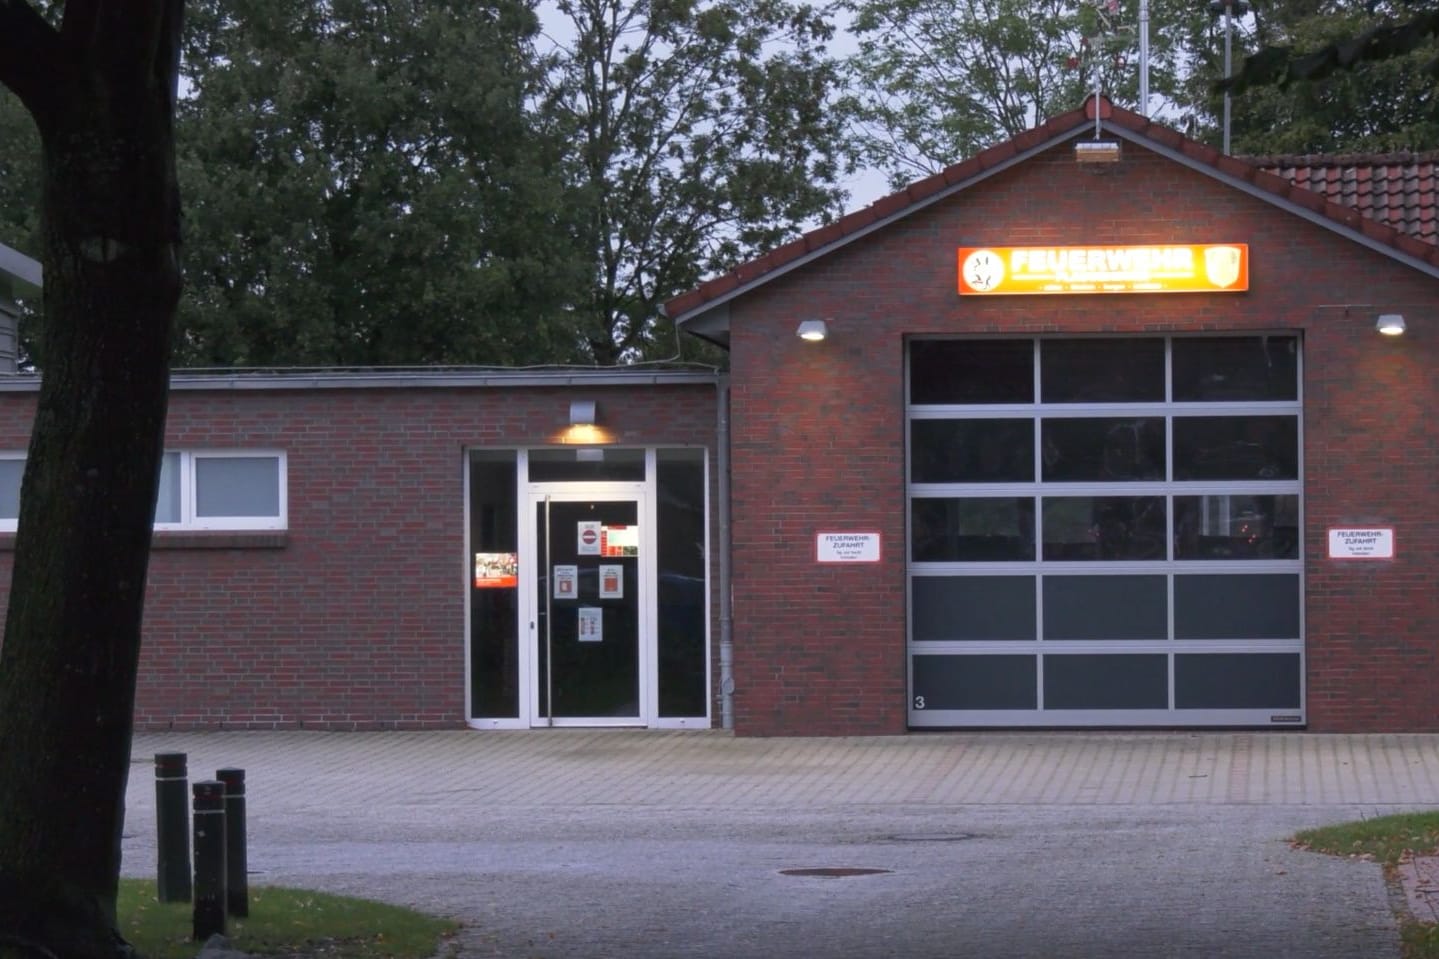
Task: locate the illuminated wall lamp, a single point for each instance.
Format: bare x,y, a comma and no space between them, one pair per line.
582,412
1390,324
812,330
1096,151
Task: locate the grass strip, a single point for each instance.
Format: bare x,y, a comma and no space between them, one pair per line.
285,922
1387,840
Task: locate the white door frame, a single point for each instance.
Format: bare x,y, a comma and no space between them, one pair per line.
534,495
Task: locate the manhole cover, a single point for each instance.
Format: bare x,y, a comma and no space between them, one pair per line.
834,871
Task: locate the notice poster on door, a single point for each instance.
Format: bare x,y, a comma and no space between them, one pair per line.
567,582
620,541
588,540
497,570
591,626
612,581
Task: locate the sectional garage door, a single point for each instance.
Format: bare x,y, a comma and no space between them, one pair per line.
1105,531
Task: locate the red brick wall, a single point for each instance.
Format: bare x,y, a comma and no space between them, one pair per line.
356,620
819,431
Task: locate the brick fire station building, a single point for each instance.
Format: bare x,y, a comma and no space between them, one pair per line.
1099,428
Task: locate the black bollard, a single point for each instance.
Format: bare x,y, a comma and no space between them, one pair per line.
237,888
209,859
172,827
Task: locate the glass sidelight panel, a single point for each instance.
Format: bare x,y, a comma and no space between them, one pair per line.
683,611
494,587
588,634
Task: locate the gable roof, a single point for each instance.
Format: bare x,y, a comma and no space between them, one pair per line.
703,310
1400,189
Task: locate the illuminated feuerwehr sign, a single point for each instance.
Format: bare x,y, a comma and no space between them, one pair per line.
1194,268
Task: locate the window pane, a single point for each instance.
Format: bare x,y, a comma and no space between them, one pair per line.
1106,607
11,470
1104,528
1232,368
1236,447
1101,371
1236,681
1085,681
1102,450
167,501
975,682
1239,606
971,371
972,451
973,608
683,614
586,464
237,486
1236,527
973,530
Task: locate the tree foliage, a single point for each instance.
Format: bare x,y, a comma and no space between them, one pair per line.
933,83
366,185
701,134
1332,76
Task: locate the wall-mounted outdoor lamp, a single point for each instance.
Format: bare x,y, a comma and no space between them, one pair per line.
1390,324
812,330
582,413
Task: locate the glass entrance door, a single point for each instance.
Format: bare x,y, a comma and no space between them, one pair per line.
589,622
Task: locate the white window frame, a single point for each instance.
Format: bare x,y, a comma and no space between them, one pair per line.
189,518
8,523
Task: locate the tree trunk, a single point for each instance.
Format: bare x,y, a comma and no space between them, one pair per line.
72,633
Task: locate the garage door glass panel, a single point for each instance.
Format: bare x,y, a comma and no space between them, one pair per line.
1237,681
1226,369
1102,450
1082,681
972,451
1236,448
1104,528
973,608
945,372
999,529
1239,606
1101,371
975,682
1106,607
1236,527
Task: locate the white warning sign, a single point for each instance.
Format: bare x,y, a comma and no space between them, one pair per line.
1375,542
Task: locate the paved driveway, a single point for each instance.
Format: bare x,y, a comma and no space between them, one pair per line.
565,844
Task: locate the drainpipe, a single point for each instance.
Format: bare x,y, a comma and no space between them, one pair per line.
723,515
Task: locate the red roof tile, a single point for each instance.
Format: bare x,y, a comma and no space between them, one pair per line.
1397,189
